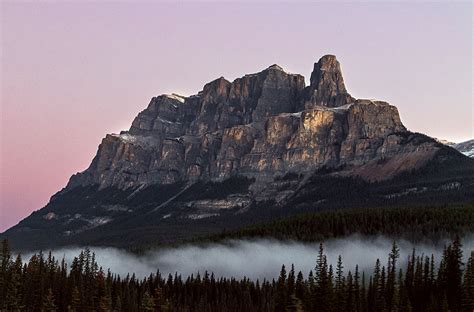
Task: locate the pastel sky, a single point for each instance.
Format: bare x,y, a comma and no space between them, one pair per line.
73,71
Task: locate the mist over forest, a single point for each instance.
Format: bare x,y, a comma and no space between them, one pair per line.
256,259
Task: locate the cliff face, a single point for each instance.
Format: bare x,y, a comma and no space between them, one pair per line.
261,126
260,147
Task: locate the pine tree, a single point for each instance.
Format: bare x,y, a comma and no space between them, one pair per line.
357,291
147,304
14,292
294,304
340,291
452,274
322,294
391,275
349,294
281,291
48,302
157,299
329,290
291,281
75,299
5,262
468,285
403,299
364,304
105,303
300,286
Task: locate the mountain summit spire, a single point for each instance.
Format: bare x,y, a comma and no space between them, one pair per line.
327,84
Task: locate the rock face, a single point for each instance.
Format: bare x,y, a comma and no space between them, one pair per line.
241,152
327,85
260,126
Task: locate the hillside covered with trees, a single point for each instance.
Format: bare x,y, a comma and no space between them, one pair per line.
414,223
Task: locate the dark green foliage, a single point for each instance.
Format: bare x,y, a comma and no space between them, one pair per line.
44,284
413,223
468,285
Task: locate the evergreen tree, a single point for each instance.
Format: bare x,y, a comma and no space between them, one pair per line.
42,284
48,302
391,276
281,291
403,302
147,304
364,302
5,261
340,289
377,292
291,281
322,295
357,291
468,285
300,287
105,303
349,294
75,300
14,290
452,274
158,298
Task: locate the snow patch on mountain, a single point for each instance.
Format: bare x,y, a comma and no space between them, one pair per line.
466,147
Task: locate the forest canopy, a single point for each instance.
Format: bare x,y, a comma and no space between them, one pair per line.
44,283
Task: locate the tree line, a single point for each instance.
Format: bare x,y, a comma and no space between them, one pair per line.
44,283
414,223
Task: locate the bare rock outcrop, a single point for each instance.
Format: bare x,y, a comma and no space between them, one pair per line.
262,126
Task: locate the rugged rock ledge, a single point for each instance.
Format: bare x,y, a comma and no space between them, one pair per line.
260,126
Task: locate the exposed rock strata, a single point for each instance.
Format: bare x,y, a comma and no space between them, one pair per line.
262,125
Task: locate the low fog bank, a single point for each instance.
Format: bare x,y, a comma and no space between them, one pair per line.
260,258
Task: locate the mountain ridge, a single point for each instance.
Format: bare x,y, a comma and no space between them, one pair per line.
251,111
260,146
466,147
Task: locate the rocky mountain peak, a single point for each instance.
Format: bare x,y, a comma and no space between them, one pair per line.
260,142
216,90
260,126
275,67
328,68
327,84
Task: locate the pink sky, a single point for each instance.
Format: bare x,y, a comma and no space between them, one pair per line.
72,72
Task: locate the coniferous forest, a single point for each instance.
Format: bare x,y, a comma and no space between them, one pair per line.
43,283
414,223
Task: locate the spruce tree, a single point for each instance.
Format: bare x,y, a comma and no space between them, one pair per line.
291,280
340,291
300,286
391,275
281,291
14,291
48,302
5,262
403,304
75,300
453,274
468,285
146,304
357,290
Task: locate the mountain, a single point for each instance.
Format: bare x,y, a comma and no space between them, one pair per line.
445,142
262,146
467,148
